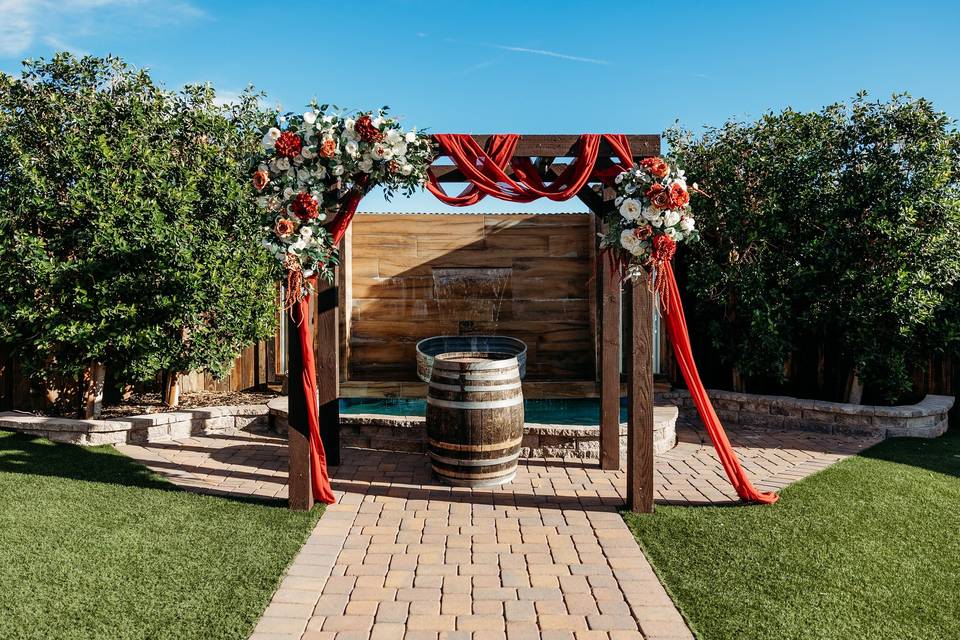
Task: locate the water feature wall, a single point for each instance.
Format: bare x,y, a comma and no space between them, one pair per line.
414,276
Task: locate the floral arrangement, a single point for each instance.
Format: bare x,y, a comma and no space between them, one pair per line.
653,215
315,162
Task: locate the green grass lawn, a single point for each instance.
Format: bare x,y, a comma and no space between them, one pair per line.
869,548
94,545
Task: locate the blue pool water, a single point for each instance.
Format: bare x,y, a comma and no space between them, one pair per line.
577,411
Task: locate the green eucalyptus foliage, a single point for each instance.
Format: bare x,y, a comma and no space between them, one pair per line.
839,228
128,231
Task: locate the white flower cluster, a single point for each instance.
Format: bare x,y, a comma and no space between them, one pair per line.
652,200
312,161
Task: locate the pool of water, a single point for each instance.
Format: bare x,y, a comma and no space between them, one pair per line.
575,411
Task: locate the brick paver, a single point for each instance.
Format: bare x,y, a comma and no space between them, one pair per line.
547,556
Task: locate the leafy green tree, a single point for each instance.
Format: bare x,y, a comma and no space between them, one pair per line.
838,229
128,232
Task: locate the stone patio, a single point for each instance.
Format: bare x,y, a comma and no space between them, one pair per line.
547,556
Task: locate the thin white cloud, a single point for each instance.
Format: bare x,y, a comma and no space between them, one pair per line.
56,22
227,97
551,54
16,27
56,42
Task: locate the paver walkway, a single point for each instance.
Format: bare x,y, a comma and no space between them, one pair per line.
546,556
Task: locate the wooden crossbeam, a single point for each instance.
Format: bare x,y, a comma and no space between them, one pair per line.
566,145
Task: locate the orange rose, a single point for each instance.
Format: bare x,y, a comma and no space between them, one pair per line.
656,167
328,148
659,197
260,179
285,227
642,233
679,198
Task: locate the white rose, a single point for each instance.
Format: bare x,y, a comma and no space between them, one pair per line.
670,218
288,193
306,231
650,214
400,149
310,117
299,245
348,124
351,147
377,122
283,164
320,172
308,153
687,223
274,133
337,170
268,142
410,137
393,137
673,234
303,175
630,188
629,241
366,165
630,209
381,151
406,169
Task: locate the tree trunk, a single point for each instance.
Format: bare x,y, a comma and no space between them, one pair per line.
854,394
739,385
92,382
171,391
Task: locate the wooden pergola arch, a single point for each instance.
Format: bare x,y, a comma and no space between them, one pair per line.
638,302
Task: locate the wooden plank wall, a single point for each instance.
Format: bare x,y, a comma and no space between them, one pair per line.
421,275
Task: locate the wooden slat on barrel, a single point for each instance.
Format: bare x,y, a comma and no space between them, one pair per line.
474,419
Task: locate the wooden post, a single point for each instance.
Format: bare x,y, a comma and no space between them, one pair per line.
300,497
640,397
609,329
326,348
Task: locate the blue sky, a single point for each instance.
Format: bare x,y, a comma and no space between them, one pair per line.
534,67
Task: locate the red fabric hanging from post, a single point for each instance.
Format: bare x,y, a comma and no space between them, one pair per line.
300,312
680,339
486,171
319,478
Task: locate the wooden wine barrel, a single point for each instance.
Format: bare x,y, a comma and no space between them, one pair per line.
474,418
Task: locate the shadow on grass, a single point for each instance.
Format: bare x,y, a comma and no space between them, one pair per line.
941,455
26,454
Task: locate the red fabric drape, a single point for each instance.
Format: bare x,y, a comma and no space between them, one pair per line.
300,312
677,330
320,480
486,171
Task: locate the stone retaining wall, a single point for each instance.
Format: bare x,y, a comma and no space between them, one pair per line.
151,427
926,419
